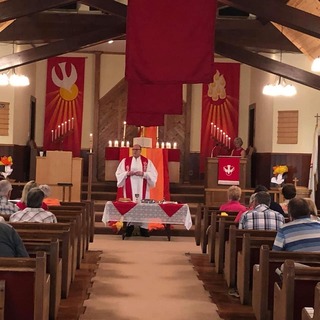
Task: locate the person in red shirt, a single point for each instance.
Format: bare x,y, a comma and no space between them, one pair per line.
238,151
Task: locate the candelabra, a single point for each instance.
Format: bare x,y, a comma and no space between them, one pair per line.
219,147
58,141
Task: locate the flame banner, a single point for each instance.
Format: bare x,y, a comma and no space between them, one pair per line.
64,104
220,106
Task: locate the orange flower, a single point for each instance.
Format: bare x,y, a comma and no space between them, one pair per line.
6,161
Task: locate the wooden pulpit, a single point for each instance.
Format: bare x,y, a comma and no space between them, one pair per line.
215,193
62,173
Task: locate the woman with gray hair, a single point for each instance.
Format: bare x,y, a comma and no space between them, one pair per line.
234,195
238,151
47,193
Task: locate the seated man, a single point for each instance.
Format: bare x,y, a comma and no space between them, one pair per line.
234,195
6,207
34,212
11,244
300,234
261,217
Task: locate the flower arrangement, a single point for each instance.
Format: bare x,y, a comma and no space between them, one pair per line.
279,172
7,162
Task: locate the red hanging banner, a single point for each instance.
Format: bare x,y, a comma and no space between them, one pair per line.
64,104
220,111
229,170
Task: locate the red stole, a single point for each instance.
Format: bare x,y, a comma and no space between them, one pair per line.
127,164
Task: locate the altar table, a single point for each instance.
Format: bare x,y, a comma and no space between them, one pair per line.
148,213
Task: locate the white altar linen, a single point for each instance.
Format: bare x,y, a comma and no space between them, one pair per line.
148,213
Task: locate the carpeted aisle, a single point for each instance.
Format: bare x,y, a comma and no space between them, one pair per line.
147,278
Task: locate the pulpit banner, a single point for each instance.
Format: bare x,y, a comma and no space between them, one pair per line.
229,170
64,104
220,111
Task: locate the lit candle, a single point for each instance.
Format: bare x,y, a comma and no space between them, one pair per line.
116,143
65,127
157,144
214,130
224,138
227,139
122,143
62,128
124,130
162,145
174,145
72,121
229,142
69,125
51,135
58,130
90,142
110,143
218,133
157,133
128,144
220,138
211,128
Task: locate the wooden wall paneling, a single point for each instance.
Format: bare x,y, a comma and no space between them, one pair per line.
288,127
112,113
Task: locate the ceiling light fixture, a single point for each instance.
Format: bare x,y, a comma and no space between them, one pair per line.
315,67
14,79
280,88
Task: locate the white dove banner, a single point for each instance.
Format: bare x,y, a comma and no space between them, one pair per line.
229,170
64,104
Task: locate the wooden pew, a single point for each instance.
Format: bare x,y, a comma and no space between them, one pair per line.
233,245
76,211
2,298
221,237
27,287
295,292
207,222
197,223
247,258
68,226
54,268
212,234
65,251
313,313
264,277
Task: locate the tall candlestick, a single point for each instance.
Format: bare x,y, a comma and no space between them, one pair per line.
69,125
229,142
65,127
157,135
124,129
220,137
55,134
214,130
51,135
58,130
224,138
62,128
90,142
72,121
218,131
211,128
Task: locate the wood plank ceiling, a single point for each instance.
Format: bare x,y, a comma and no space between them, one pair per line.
268,27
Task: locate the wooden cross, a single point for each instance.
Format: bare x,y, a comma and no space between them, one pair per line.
317,117
295,181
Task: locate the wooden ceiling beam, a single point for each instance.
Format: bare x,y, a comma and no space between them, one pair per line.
269,65
59,47
108,6
277,11
16,8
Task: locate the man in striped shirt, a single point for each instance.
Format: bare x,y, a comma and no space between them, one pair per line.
301,233
261,217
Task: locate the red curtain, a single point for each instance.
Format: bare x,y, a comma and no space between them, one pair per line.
170,41
64,104
220,106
